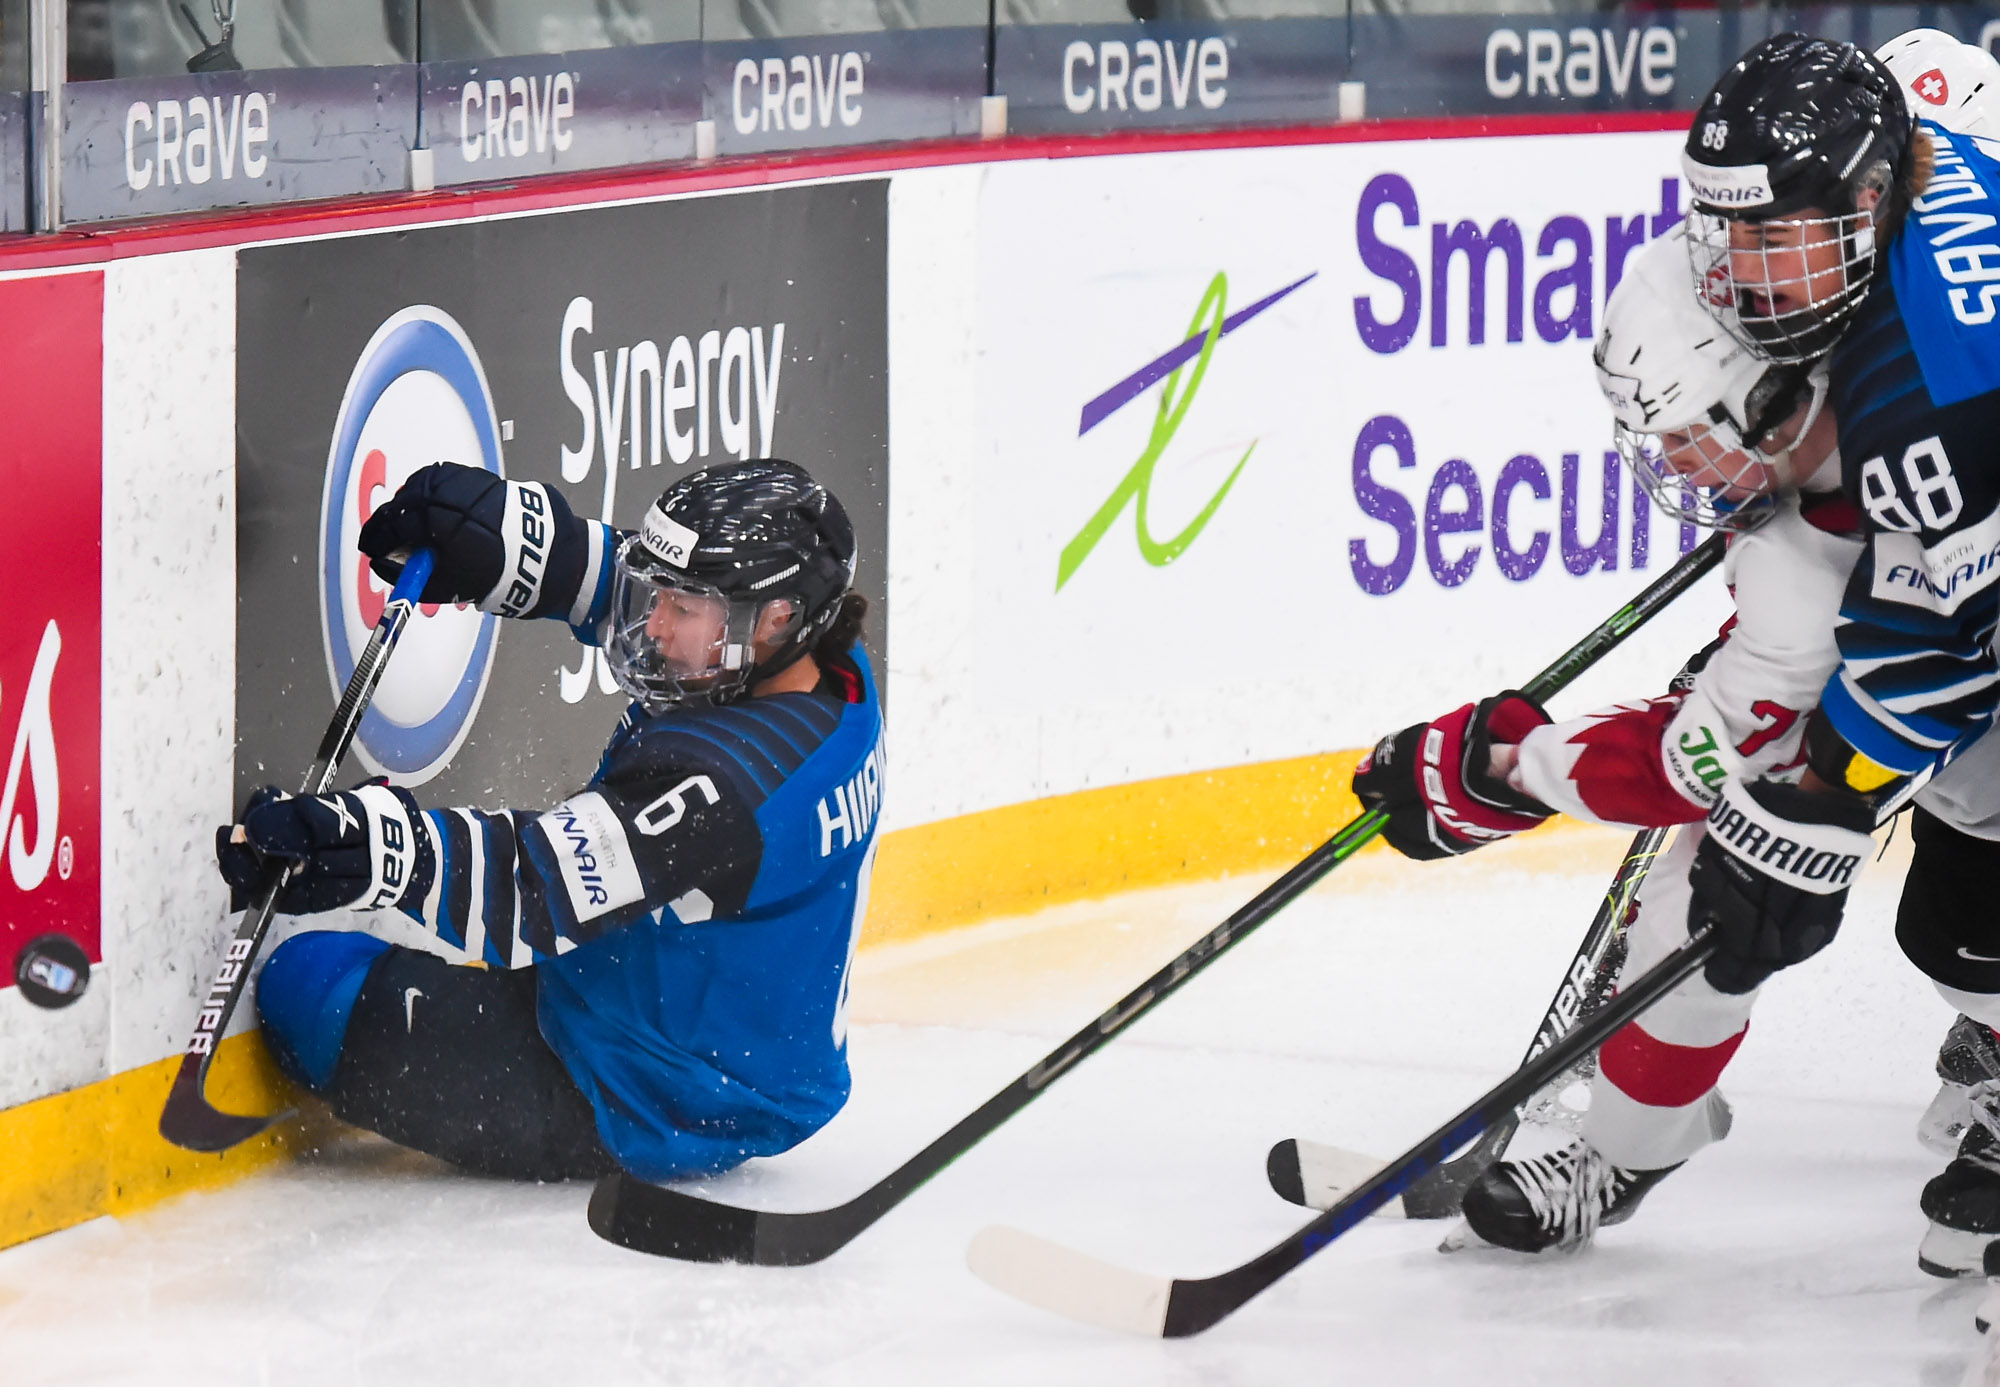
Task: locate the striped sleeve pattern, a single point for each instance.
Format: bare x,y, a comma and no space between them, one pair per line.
593,595
484,897
1918,673
1913,683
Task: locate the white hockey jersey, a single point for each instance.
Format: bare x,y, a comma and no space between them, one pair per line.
1663,761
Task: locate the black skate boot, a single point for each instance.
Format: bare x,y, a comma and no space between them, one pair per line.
1555,1201
1968,1059
1963,1204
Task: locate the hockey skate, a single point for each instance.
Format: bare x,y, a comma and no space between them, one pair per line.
1969,1058
1963,1203
1552,1202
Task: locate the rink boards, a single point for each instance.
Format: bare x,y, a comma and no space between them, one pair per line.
1181,473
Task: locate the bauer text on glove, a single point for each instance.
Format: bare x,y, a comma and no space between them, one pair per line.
1436,783
364,848
511,548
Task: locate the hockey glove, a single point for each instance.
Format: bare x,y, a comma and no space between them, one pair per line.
512,548
1434,780
1771,876
360,848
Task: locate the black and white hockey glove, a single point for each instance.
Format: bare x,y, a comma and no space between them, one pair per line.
360,848
1771,876
511,548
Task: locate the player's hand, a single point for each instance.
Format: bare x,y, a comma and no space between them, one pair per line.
1437,782
492,538
1771,876
357,848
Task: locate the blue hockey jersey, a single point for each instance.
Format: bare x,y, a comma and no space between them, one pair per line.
1916,389
714,1028
692,911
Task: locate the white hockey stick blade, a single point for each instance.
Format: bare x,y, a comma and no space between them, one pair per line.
1327,1173
1054,1278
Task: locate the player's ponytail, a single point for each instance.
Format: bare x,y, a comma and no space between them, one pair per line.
845,628
1918,166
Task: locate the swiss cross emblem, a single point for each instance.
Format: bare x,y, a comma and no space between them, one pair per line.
1932,87
1716,287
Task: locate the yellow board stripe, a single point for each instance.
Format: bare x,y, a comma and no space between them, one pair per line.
97,1149
1097,843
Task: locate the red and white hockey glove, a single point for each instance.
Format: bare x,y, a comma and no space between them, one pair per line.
1434,780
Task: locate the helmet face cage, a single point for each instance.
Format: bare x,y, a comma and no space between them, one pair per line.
1785,287
675,641
1716,473
1703,474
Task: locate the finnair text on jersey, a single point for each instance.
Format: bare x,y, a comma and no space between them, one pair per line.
595,857
1943,576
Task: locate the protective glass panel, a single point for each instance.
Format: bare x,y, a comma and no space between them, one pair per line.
162,38
472,29
769,19
14,52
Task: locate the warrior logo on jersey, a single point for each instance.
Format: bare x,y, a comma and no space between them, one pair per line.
417,395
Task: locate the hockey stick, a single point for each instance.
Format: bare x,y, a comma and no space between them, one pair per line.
188,1119
1051,1276
669,1223
1319,1176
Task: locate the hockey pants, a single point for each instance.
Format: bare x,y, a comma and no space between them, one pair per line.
1656,1102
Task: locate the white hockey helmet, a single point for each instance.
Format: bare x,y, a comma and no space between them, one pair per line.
1696,412
1955,84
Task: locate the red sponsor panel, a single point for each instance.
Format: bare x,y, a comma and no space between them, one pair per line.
51,492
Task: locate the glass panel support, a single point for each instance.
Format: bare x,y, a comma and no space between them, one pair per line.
48,22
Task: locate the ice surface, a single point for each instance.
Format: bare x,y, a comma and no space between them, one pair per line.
1362,1016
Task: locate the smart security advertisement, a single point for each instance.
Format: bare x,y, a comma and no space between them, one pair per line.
1319,434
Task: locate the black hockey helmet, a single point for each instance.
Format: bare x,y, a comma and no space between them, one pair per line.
1798,122
734,574
1795,132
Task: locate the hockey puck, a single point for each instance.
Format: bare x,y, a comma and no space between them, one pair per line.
52,971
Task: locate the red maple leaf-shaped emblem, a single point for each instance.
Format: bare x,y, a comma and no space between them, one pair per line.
1932,87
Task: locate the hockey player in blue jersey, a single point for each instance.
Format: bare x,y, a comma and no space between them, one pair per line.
667,948
1831,226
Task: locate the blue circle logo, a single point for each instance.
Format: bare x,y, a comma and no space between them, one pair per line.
417,396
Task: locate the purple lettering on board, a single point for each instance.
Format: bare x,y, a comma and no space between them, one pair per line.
1455,475
1385,504
1621,238
1579,558
1519,565
1387,262
1575,277
1478,247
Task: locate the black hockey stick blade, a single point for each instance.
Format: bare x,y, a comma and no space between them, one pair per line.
650,1218
1317,1176
1281,1168
188,1119
1079,1287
